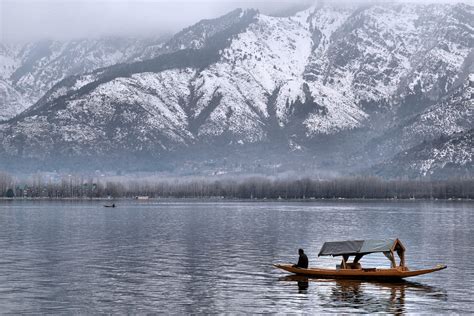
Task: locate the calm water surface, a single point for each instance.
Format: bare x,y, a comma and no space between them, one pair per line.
207,257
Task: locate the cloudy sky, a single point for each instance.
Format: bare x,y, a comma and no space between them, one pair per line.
26,20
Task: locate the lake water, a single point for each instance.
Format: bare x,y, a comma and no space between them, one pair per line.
211,257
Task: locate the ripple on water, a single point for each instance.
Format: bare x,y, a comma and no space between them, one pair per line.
216,257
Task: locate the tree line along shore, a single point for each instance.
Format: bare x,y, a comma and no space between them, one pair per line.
256,187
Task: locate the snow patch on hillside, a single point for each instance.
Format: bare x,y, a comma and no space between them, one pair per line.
453,152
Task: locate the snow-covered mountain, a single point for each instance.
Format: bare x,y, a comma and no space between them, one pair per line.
249,78
28,71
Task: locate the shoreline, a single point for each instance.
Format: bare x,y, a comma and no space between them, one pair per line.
225,199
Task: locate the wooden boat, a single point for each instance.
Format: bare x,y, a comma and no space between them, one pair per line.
354,270
107,205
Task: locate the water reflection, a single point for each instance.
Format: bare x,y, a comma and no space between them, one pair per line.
301,281
367,296
206,258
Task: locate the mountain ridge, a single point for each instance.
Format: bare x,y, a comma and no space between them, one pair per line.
321,71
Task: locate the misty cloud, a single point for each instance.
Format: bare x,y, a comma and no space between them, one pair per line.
26,20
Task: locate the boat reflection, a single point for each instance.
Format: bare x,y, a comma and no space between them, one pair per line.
368,296
303,284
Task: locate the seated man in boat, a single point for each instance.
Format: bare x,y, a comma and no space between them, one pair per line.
302,260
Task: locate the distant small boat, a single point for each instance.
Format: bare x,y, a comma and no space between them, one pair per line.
142,197
109,205
354,270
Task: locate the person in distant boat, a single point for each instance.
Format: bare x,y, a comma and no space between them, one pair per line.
302,260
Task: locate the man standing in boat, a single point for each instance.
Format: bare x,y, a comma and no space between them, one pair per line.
302,260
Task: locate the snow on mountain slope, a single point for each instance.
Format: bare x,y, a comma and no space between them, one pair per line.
246,77
443,157
8,62
452,114
30,71
270,53
381,53
131,114
76,60
444,55
33,69
197,35
111,114
13,101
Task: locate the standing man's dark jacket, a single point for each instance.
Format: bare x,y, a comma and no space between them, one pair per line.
303,260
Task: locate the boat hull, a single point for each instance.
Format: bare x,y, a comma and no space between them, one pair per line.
360,274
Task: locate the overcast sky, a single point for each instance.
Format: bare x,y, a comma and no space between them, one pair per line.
26,20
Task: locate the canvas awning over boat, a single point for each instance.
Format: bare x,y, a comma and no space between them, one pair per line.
357,247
